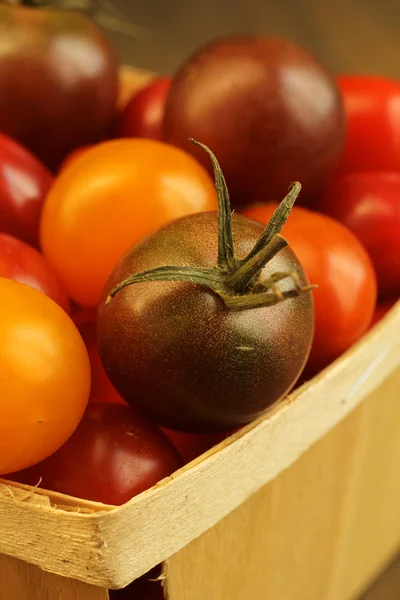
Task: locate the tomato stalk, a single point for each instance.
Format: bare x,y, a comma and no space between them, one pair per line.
236,281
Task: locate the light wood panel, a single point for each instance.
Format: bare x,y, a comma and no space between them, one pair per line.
320,531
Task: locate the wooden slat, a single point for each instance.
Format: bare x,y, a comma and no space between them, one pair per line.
321,530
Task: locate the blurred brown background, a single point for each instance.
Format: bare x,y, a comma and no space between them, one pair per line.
354,36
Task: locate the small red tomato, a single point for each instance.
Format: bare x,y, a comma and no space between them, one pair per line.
144,113
24,183
334,260
21,262
381,311
372,108
102,391
113,455
369,204
192,445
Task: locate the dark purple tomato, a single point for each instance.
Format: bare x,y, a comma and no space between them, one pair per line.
176,349
24,183
268,109
58,80
114,454
143,115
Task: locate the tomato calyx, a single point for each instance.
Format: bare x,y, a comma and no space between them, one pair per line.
236,281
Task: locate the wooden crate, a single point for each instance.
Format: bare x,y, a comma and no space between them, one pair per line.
303,504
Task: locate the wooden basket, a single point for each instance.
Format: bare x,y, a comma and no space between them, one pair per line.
303,504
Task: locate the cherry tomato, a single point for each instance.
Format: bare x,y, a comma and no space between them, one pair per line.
21,262
192,445
372,107
44,376
24,183
144,113
335,260
108,199
369,204
73,155
102,390
113,455
381,311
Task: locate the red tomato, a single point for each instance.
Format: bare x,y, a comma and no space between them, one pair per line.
110,198
369,204
102,390
335,260
381,311
192,445
44,376
24,183
21,262
113,455
372,106
144,113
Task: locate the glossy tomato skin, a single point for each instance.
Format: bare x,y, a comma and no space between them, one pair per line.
268,110
24,183
102,390
21,262
108,199
338,264
58,80
143,115
192,364
372,108
369,204
73,155
113,455
192,445
44,376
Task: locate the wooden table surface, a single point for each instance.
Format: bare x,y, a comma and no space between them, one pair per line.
353,36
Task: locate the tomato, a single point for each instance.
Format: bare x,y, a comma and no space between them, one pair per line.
335,260
381,311
192,445
21,262
113,455
372,107
73,155
369,204
144,113
109,198
24,183
198,346
44,376
102,390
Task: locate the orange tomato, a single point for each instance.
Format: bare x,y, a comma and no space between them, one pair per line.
44,376
339,265
109,198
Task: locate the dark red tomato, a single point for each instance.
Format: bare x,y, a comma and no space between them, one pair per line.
102,390
338,264
381,311
114,454
369,204
372,107
144,113
73,155
192,445
24,183
21,262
